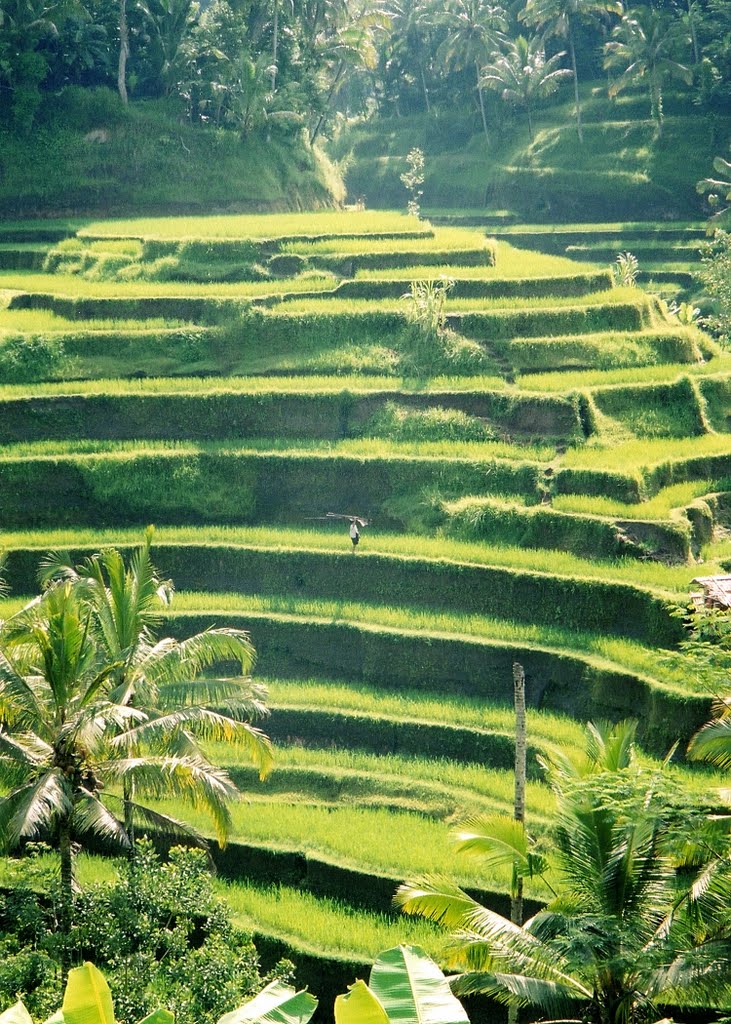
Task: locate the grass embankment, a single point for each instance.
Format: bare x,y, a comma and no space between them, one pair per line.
643,573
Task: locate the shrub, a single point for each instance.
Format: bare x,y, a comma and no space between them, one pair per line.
158,932
26,359
401,424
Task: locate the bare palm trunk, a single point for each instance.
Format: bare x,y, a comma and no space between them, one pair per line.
572,52
482,99
693,33
275,41
123,51
530,124
67,891
129,822
516,898
424,89
333,87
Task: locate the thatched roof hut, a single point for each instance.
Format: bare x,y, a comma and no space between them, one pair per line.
715,592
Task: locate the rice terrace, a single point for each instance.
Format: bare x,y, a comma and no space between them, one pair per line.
346,412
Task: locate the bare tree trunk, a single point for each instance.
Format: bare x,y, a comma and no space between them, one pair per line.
275,41
424,89
67,891
516,892
482,99
572,52
333,87
693,34
516,900
123,51
129,822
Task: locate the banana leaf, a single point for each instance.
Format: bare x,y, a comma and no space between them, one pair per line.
413,990
276,1004
87,999
359,1006
16,1014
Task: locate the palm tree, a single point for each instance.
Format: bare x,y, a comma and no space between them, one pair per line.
522,75
161,678
626,930
643,46
561,18
56,715
475,30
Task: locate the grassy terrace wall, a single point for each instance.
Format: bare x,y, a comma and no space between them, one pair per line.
226,487
590,536
218,414
521,596
574,685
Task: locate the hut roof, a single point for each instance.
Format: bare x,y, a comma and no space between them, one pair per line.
715,593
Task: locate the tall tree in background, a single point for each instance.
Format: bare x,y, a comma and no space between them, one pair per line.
350,46
561,18
643,48
523,76
475,30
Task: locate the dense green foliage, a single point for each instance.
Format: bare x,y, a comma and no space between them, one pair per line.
158,931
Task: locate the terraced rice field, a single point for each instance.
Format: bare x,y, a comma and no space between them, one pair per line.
234,379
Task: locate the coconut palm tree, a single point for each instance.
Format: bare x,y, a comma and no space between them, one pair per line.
561,18
162,678
643,46
55,717
475,30
522,75
626,930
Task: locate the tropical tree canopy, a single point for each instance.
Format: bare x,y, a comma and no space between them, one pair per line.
639,918
522,74
643,47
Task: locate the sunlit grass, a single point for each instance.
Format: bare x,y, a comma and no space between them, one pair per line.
657,507
613,297
578,380
18,321
324,925
510,263
647,452
560,563
443,239
385,841
75,286
248,225
374,448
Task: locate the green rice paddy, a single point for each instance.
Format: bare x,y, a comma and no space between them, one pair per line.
387,814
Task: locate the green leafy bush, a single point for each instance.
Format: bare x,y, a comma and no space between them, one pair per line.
158,932
25,359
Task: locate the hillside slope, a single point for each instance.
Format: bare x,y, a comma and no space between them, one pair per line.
88,155
623,171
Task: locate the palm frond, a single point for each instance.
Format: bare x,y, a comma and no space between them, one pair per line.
712,743
171,661
196,782
435,898
551,997
91,816
206,725
163,825
29,809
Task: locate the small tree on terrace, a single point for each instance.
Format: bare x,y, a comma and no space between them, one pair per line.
523,76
